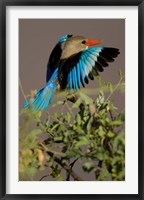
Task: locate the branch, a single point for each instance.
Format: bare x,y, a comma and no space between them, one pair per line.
22,91
116,87
64,166
97,172
72,98
43,177
71,166
111,115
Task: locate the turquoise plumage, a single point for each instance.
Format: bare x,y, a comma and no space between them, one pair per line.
44,96
78,74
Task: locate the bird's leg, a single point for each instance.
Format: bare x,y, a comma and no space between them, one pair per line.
58,86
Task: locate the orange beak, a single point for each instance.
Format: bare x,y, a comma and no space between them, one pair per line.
92,42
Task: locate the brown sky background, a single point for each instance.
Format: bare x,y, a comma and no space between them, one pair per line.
37,37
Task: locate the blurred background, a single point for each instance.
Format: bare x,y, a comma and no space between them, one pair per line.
37,37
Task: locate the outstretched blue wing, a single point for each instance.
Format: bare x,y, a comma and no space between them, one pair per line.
90,61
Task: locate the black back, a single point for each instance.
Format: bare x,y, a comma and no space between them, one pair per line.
53,60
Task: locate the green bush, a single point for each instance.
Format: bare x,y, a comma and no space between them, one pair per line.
87,131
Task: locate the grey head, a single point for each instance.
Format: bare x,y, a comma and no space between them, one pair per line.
74,45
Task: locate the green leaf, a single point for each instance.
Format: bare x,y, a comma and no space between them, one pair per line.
89,125
78,119
101,132
119,139
77,103
103,175
34,133
110,87
88,166
54,127
31,138
100,99
110,134
57,139
100,156
121,117
83,141
56,114
120,73
67,117
58,103
111,106
23,111
85,98
116,123
37,114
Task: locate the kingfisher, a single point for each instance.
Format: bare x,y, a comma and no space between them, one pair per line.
73,61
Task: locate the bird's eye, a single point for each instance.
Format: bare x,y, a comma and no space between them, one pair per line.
84,41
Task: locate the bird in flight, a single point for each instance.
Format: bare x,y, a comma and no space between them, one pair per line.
73,61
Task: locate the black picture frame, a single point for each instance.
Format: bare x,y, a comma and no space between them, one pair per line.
3,127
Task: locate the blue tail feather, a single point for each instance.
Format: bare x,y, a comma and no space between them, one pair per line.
43,96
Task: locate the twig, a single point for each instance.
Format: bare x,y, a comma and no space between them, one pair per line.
71,166
115,88
51,151
66,124
97,172
64,166
65,103
22,91
43,177
69,109
111,115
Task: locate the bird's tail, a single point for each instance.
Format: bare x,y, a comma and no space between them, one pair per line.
44,96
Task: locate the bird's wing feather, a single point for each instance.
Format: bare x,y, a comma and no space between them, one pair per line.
79,68
53,61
